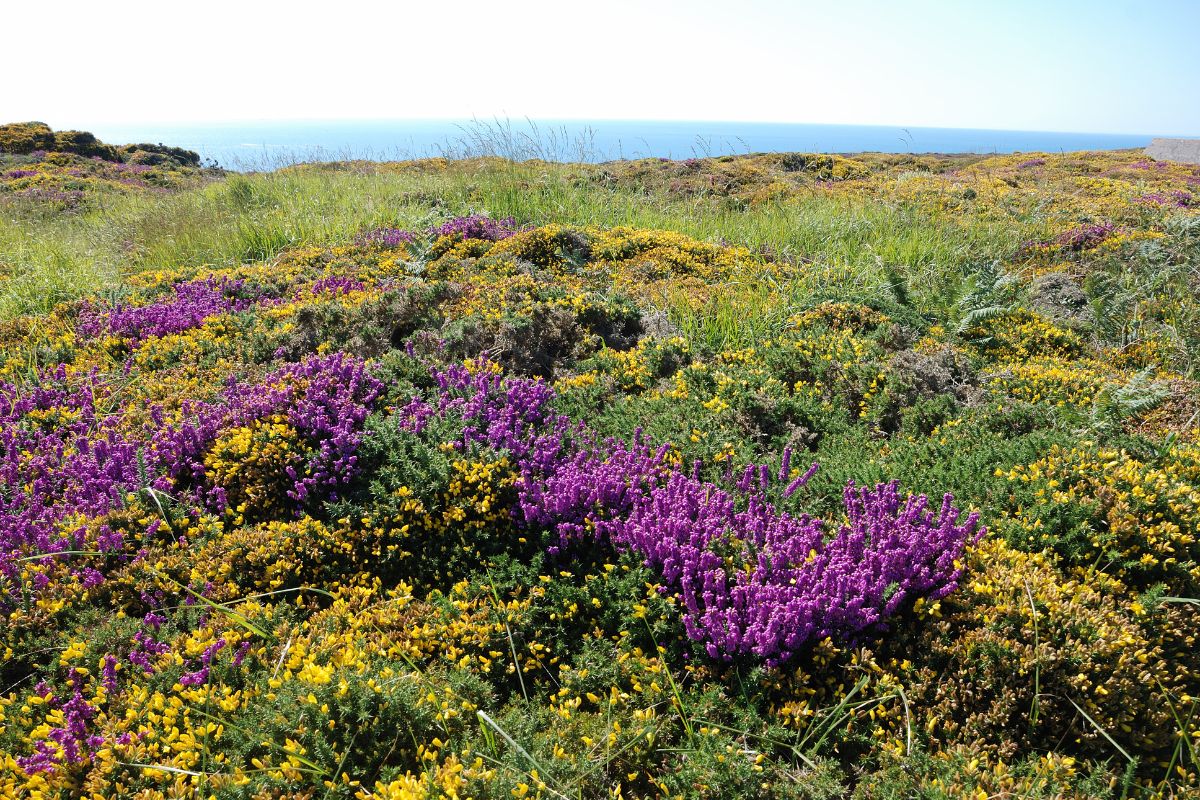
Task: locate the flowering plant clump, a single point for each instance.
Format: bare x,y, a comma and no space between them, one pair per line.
323,402
192,303
1084,237
64,460
388,237
765,584
753,581
592,512
476,226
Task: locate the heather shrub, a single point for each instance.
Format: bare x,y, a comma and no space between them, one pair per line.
790,582
324,400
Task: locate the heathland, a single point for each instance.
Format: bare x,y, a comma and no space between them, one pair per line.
783,475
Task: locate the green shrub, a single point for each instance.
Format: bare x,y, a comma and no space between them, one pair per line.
155,155
82,143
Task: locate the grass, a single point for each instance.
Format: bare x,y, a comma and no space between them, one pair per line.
255,216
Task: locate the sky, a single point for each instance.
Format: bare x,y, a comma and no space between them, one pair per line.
1119,66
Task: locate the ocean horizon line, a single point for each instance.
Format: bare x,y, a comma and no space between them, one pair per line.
268,144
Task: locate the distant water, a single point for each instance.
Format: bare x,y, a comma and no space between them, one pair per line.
260,145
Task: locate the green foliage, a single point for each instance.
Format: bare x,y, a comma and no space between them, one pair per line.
157,155
85,144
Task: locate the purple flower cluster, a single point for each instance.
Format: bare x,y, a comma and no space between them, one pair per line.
475,226
188,306
200,677
326,399
387,237
146,647
758,582
135,169
71,736
754,581
513,415
13,174
336,285
1084,237
43,194
1175,199
587,486
60,458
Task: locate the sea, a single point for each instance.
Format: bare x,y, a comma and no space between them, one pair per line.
267,145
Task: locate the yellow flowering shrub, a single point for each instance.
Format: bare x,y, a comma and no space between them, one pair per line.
1022,334
251,464
1103,507
1023,653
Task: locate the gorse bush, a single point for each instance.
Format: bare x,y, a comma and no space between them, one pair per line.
82,143
23,138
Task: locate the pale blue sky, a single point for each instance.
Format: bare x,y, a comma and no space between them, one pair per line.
1073,65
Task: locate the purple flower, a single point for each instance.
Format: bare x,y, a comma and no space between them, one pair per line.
145,648
475,226
754,581
1084,237
1173,199
72,736
188,306
77,465
325,399
763,583
387,237
109,672
336,285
